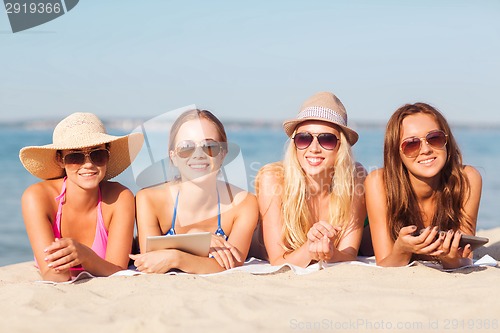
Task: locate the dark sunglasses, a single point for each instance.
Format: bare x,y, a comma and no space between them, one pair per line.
99,157
187,148
410,147
303,140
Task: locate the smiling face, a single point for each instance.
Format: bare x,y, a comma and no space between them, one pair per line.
193,164
429,161
315,160
88,174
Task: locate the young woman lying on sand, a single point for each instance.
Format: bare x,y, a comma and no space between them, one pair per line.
423,185
76,219
196,202
312,204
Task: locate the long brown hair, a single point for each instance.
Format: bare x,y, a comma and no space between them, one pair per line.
453,188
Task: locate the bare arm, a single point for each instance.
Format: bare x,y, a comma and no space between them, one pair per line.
162,261
120,235
388,252
455,256
349,244
118,209
148,223
471,207
244,222
37,215
269,199
376,205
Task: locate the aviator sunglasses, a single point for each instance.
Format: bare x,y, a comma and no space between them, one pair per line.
210,147
303,140
410,147
98,157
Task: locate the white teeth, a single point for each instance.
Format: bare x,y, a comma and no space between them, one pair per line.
199,166
426,161
314,159
86,174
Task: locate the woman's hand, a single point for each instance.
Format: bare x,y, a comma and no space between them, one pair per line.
453,254
321,249
320,239
321,229
222,251
65,253
159,262
425,244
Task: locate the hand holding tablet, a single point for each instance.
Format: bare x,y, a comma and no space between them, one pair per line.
474,241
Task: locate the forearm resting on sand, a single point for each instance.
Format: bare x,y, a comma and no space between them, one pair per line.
300,257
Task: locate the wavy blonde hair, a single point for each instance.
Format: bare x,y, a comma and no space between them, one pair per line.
297,217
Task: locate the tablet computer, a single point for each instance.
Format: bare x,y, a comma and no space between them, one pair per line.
474,241
195,243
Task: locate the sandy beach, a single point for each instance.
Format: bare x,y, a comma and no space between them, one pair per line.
342,298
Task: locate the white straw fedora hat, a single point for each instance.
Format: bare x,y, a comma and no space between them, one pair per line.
323,106
78,131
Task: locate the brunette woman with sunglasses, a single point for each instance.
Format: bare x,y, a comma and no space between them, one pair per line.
424,198
76,219
197,201
312,204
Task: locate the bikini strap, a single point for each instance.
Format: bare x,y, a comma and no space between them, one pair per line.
171,231
99,209
219,231
63,190
60,199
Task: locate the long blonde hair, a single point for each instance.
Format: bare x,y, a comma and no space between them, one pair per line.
297,217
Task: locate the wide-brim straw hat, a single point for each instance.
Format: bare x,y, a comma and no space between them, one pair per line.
323,106
77,131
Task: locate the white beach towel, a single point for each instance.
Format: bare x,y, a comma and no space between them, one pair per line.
262,267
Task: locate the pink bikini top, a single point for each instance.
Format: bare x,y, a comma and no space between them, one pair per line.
101,235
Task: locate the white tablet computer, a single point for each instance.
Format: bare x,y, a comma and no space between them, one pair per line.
195,243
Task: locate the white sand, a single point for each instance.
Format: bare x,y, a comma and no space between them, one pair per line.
342,298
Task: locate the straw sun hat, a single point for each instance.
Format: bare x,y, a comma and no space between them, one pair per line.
78,131
323,106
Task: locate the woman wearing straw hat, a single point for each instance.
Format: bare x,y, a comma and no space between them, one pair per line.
422,186
196,202
76,219
312,204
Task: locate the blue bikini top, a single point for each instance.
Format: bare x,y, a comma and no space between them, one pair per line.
218,232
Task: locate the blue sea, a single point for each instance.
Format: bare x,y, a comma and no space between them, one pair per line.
258,147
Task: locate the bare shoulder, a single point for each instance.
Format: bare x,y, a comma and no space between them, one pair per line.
155,195
241,196
472,174
152,190
113,191
269,175
375,178
43,189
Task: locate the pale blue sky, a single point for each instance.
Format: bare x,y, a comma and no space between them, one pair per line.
255,59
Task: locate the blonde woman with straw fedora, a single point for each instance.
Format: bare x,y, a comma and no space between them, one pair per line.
312,204
76,219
